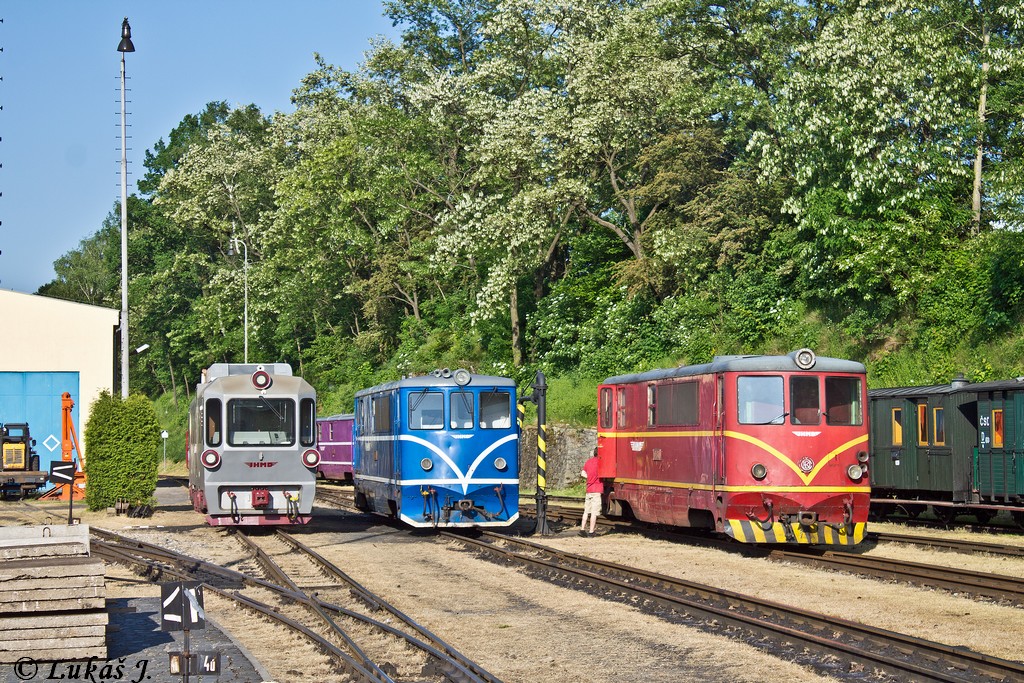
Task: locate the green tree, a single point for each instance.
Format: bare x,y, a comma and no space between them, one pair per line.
122,441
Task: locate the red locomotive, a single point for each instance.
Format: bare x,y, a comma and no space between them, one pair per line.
765,449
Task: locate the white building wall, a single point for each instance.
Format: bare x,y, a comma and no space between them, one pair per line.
41,334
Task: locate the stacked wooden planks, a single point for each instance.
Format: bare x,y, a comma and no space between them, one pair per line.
52,596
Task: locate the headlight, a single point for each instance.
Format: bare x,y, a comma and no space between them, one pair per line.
500,463
759,471
427,464
311,457
804,359
210,459
855,472
462,377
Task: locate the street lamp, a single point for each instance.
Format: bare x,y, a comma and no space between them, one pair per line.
124,46
232,250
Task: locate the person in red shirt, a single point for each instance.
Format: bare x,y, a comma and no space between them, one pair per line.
592,502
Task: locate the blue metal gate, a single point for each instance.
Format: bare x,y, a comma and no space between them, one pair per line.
35,398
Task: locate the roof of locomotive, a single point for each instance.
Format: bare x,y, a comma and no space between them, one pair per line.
340,416
236,378
785,363
225,369
956,386
435,381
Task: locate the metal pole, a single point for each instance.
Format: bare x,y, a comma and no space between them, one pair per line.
540,392
124,241
245,286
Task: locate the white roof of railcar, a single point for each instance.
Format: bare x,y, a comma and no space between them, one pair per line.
785,363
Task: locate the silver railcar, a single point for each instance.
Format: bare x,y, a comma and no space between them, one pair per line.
251,450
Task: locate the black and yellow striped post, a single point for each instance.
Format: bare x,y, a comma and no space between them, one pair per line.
540,390
539,396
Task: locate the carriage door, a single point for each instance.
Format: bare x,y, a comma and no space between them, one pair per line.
900,470
934,440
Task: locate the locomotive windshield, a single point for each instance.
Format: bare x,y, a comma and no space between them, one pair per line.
261,422
842,401
762,400
495,410
426,410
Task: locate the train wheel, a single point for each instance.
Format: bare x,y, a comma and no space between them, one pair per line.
984,516
1018,519
946,515
361,503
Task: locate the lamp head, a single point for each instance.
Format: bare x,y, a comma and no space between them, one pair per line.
126,38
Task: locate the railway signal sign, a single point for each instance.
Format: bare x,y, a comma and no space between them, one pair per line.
62,472
195,663
181,606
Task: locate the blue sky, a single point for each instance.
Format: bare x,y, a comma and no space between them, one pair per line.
60,94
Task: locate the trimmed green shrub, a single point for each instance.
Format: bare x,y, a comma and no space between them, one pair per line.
122,443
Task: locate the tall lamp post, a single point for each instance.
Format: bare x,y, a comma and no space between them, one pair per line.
124,46
233,249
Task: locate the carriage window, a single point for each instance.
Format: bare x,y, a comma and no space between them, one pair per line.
380,407
897,426
652,404
843,401
922,424
678,404
940,427
760,400
462,410
426,410
261,422
496,410
997,428
307,422
606,408
804,401
213,419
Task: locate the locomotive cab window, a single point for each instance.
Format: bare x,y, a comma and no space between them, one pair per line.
843,401
380,408
804,400
426,410
495,410
261,422
652,405
213,422
461,410
307,422
606,408
761,400
678,404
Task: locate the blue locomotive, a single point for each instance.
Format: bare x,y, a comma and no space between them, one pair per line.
440,450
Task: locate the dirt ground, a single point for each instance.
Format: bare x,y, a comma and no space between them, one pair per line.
526,630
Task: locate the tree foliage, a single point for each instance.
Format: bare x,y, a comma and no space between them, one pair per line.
595,186
122,439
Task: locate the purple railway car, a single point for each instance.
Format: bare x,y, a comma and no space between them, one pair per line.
335,444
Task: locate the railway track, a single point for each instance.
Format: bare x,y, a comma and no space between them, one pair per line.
978,584
360,644
760,622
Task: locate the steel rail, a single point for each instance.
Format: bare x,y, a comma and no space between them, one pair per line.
277,573
124,556
861,643
377,602
189,567
980,584
949,544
